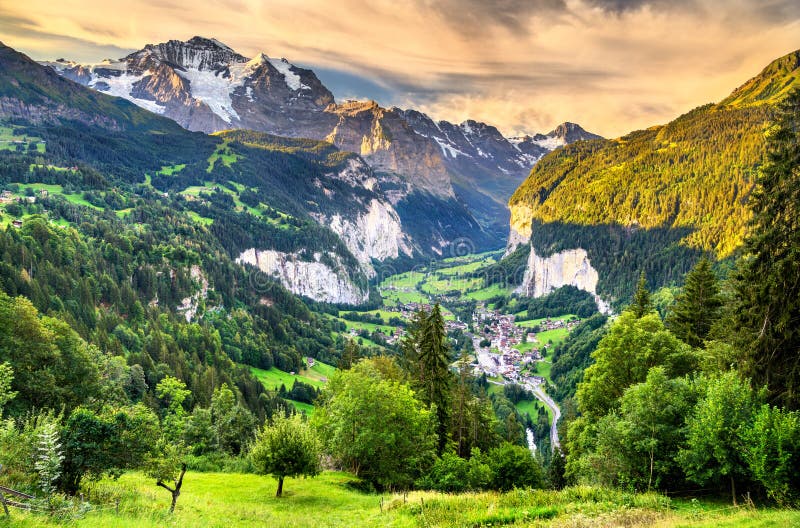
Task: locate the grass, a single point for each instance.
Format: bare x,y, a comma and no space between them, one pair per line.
556,336
487,293
169,170
8,139
220,500
74,198
200,219
223,154
273,378
543,369
316,376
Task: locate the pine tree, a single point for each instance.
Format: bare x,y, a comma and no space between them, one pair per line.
409,346
434,371
350,355
698,307
642,304
767,284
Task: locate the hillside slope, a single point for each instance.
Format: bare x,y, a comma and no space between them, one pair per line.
656,198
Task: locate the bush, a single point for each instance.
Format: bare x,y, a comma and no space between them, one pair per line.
454,474
772,452
514,467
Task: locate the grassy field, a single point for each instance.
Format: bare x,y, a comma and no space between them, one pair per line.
218,500
223,154
273,378
8,141
200,219
316,376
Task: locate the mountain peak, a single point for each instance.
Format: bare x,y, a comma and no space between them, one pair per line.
204,42
198,52
571,132
770,85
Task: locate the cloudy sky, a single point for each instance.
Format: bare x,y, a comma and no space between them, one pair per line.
522,65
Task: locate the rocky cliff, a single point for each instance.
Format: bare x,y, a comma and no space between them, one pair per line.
323,279
566,268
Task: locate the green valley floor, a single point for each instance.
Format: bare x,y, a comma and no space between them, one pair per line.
223,500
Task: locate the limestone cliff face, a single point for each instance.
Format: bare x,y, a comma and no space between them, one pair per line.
316,280
567,268
376,234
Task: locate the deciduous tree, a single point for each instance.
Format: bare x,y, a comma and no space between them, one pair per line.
288,447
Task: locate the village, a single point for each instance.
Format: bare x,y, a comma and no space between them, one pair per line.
499,343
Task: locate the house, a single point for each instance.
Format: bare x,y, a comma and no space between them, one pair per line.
16,223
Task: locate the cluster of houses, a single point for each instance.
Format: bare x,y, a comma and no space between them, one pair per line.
548,324
502,357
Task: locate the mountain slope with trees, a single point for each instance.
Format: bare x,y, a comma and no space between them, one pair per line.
656,199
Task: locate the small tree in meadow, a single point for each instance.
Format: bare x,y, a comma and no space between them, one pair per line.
287,448
168,468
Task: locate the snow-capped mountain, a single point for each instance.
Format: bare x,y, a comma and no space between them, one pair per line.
204,85
469,169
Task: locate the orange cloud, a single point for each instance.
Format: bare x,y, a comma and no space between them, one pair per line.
521,65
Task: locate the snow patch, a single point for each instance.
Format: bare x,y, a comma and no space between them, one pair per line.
550,143
213,89
122,86
449,150
291,78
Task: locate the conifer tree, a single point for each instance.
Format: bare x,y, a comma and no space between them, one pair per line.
435,375
350,355
642,304
767,308
698,307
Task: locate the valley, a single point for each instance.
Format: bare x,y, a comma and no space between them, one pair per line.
330,295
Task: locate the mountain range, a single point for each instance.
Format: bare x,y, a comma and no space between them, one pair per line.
469,169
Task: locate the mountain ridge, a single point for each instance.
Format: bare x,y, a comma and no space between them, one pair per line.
204,85
677,189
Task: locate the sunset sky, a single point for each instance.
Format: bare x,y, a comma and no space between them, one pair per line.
522,65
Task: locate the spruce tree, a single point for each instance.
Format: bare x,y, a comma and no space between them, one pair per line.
642,304
434,371
350,355
697,307
767,307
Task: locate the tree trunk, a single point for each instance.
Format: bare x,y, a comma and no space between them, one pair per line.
176,491
280,487
733,490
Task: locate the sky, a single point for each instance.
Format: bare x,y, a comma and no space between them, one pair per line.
522,65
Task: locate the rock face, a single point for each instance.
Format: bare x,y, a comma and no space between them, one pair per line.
470,170
567,268
316,280
376,234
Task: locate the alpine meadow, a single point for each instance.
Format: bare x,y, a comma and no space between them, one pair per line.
390,281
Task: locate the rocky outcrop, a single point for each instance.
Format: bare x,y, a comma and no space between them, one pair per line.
566,268
323,279
376,234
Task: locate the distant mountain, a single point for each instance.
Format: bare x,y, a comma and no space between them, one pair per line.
307,214
469,169
652,200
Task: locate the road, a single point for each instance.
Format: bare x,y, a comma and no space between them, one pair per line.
547,400
485,361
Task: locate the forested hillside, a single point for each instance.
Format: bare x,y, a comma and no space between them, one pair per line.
656,199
